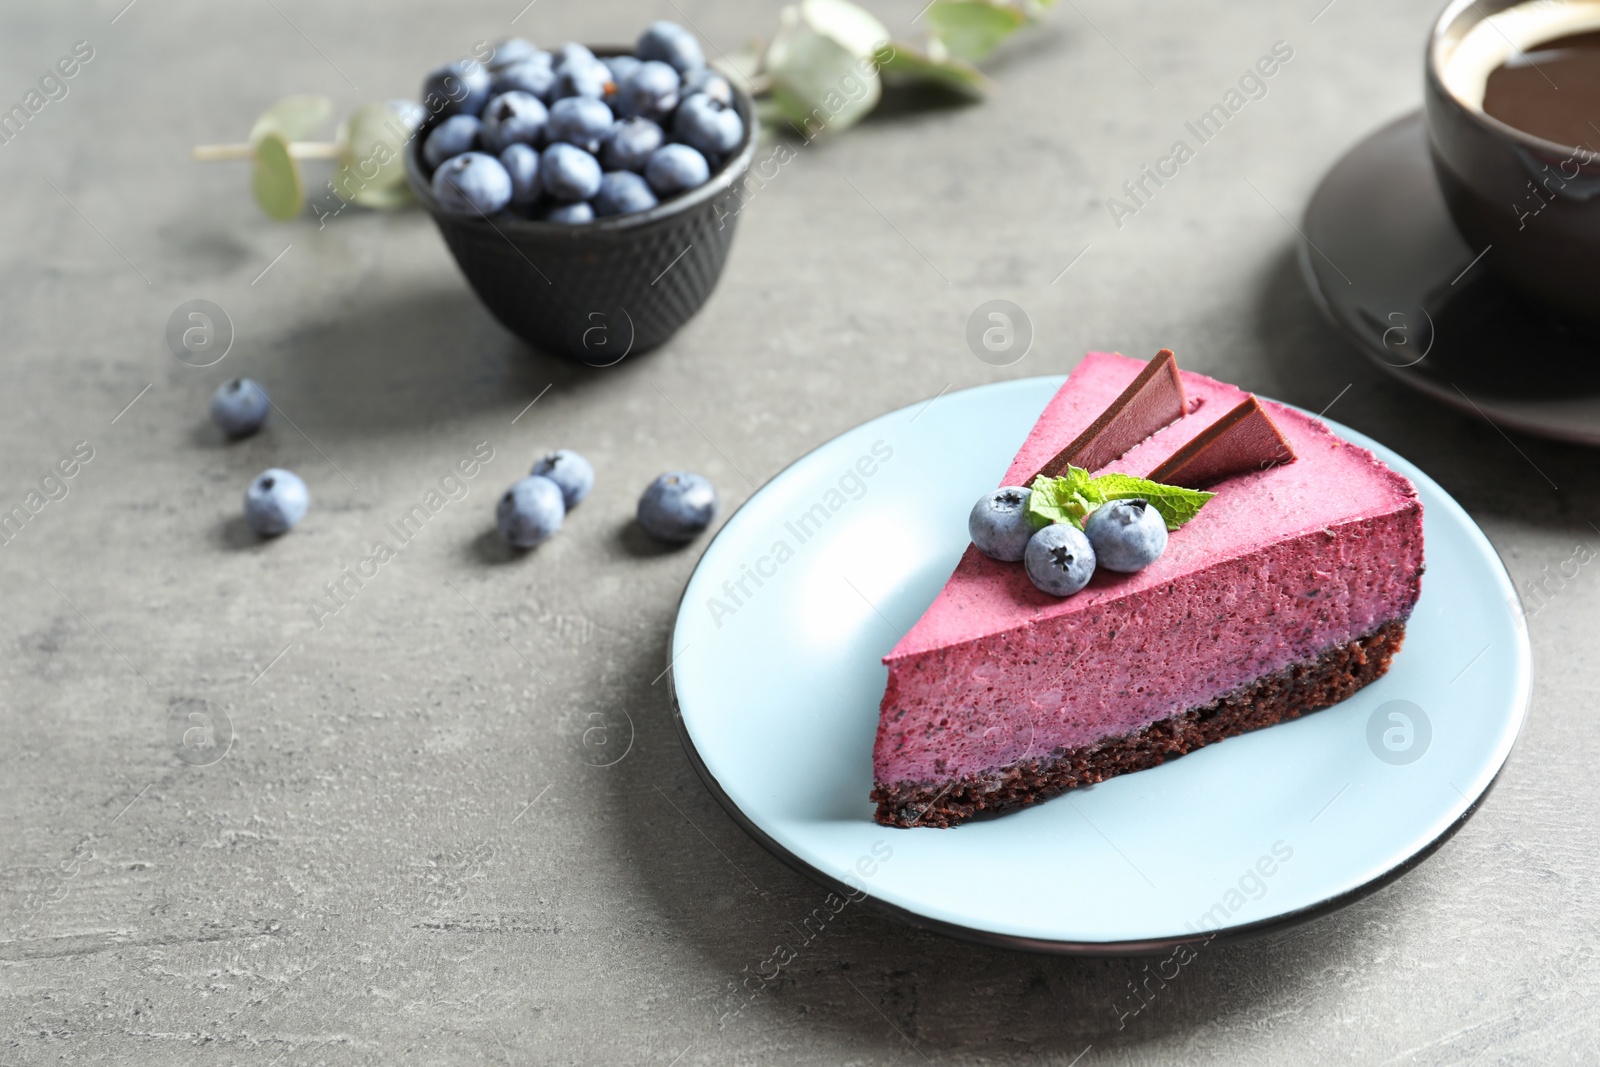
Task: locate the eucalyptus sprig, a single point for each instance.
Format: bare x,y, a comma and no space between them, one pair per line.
366,150
828,64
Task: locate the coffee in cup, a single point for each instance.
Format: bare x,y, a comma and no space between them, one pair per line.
1513,114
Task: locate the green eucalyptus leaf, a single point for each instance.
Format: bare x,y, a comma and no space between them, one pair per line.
971,29
294,118
855,28
819,81
276,179
769,112
372,169
907,65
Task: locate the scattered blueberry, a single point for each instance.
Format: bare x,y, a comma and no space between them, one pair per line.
579,120
274,501
999,523
703,123
511,51
534,76
569,214
516,117
530,512
622,192
583,77
677,507
459,88
672,44
567,172
522,164
239,407
705,80
473,184
675,167
1127,535
573,474
1059,559
453,136
630,143
649,91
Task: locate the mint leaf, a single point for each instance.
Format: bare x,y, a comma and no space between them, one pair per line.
1073,496
1064,499
1175,504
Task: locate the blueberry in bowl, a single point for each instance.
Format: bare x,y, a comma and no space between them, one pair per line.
591,213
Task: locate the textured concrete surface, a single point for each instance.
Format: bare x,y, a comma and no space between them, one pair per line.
405,856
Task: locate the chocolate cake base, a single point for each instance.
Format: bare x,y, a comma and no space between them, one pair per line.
1273,698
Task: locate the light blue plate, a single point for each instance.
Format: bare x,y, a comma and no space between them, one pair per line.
777,677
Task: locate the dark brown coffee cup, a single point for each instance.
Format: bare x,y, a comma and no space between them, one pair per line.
1533,204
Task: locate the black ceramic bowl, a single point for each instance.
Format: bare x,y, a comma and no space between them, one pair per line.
603,290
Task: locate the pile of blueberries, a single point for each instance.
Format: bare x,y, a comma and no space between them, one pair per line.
1121,535
567,137
676,507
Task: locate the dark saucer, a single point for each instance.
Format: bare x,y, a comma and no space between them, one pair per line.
1385,263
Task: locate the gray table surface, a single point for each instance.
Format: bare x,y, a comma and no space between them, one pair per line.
404,856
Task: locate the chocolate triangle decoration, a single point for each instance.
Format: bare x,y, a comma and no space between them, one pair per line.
1153,402
1245,439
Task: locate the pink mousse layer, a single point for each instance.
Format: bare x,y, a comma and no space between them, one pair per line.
1281,566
